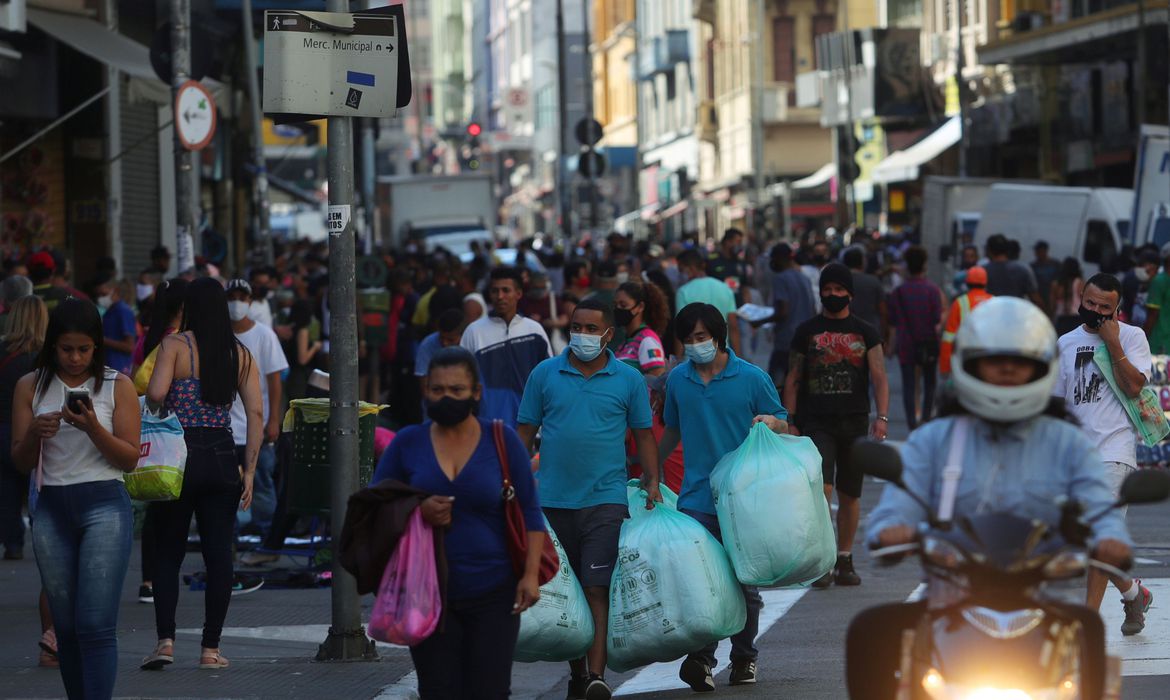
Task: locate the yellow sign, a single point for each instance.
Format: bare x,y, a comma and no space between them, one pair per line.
952,96
289,135
897,201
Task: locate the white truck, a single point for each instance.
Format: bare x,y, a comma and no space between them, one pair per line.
447,211
1151,185
1087,223
951,208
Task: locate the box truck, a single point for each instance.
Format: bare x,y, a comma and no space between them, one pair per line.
439,211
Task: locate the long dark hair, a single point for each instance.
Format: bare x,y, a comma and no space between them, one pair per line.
205,315
72,316
168,302
657,310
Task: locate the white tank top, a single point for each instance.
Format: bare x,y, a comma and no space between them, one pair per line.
70,457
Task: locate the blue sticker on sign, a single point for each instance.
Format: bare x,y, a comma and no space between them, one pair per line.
356,78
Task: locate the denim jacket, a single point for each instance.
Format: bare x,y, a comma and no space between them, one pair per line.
1022,468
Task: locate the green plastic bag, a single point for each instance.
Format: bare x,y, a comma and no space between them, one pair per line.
672,590
1144,411
560,626
162,459
770,500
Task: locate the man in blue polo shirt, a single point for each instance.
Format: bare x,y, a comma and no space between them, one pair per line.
583,401
712,401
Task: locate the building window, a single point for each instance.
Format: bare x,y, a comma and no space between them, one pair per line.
783,49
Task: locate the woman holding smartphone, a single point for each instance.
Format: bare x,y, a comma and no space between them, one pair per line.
80,447
197,375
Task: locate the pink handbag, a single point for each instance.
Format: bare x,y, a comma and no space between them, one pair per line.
408,605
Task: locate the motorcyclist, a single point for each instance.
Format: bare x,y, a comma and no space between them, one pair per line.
1020,455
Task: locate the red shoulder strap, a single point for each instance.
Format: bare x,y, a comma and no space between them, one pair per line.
501,451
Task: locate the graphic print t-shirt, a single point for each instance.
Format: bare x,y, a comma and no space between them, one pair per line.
1088,396
836,370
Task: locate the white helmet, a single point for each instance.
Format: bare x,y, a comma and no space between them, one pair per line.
998,327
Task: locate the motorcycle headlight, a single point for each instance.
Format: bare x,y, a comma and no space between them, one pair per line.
941,553
937,688
1066,565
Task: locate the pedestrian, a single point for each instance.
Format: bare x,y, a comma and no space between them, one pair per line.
1019,457
725,264
916,308
792,305
118,320
975,281
641,310
80,448
160,260
1007,277
712,401
1067,290
542,304
198,373
450,329
262,343
1135,287
1045,270
507,346
40,271
969,258
12,288
453,457
27,323
583,402
707,290
869,299
1157,325
261,279
835,360
1101,415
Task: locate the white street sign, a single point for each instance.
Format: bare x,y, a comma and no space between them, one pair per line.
517,108
194,115
330,63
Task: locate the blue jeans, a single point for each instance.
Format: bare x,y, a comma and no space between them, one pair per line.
263,489
743,643
13,487
82,536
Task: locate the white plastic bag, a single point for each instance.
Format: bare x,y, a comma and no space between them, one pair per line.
672,591
162,459
559,627
770,499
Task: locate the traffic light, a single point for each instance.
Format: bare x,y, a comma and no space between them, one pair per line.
474,129
474,160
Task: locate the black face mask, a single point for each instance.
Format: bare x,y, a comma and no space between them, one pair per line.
448,411
1091,318
622,317
834,303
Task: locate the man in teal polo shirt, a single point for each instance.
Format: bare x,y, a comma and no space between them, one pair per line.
712,401
584,400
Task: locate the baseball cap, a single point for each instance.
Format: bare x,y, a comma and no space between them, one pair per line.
977,275
239,284
42,260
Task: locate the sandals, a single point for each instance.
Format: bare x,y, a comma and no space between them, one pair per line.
48,642
163,655
212,660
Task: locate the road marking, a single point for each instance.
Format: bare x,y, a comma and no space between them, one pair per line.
405,689
1147,562
309,634
1148,653
664,676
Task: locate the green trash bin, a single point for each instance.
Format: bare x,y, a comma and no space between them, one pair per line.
309,486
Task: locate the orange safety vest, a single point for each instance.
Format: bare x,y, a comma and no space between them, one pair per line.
959,309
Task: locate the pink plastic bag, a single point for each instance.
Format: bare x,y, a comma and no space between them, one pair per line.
408,605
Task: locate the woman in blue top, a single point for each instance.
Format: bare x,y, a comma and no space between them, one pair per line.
453,456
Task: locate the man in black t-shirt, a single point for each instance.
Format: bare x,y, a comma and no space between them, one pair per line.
835,357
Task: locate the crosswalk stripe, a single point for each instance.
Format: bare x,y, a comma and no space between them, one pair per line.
314,634
664,676
405,689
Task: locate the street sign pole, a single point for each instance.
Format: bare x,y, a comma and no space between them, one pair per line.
347,640
184,187
260,228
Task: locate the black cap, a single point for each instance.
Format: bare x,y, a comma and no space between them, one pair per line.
782,251
836,272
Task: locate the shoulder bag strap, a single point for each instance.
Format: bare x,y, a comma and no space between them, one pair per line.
508,492
953,471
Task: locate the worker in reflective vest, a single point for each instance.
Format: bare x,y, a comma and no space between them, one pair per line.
960,308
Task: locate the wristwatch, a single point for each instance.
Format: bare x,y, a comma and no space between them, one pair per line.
885,419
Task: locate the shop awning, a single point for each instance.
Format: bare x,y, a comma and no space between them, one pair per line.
903,165
117,51
827,172
1097,36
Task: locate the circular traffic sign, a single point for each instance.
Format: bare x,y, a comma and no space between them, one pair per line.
194,115
588,131
371,272
591,163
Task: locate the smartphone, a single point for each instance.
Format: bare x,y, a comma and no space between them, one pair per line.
74,398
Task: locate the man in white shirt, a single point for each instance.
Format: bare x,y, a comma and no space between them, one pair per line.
1090,399
262,342
259,310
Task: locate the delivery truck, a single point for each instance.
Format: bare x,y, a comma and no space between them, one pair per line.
447,211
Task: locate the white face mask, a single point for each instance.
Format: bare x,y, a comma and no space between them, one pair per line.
106,301
144,291
237,310
1142,274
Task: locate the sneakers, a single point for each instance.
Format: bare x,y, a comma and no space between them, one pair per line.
743,673
1135,611
824,581
843,573
696,674
145,594
597,688
243,584
258,558
577,687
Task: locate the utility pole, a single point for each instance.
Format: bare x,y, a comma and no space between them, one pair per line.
757,49
260,227
113,115
563,124
960,60
1139,80
587,88
184,187
347,640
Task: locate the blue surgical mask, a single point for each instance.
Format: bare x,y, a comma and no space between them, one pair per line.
585,347
701,353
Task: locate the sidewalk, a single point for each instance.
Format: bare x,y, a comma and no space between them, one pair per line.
271,637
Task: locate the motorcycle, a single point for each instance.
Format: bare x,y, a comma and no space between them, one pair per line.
988,632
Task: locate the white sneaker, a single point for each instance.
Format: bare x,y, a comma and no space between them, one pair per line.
256,558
